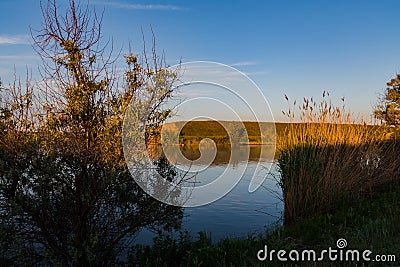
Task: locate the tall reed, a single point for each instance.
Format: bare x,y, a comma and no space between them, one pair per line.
328,157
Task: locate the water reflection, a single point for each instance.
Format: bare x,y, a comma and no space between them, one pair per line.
239,212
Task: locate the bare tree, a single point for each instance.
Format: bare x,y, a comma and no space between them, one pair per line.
66,193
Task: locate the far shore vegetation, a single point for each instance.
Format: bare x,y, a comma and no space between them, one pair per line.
193,132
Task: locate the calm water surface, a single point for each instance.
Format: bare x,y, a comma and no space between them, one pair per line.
239,212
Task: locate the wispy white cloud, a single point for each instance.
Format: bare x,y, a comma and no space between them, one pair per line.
18,57
15,39
244,63
260,72
183,92
138,6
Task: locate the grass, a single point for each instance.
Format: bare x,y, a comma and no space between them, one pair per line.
369,223
328,159
366,223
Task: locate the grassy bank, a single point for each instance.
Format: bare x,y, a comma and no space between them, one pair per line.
370,223
329,159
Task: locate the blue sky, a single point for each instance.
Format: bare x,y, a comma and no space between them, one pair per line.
298,48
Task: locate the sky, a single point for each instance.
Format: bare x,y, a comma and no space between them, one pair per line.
297,48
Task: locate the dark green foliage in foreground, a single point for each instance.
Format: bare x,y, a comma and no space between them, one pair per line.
371,223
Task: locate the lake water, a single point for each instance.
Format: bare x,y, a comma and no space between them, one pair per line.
239,212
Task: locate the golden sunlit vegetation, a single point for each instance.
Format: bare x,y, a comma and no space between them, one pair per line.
329,158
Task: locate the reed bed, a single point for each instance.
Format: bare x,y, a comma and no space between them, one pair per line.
329,158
